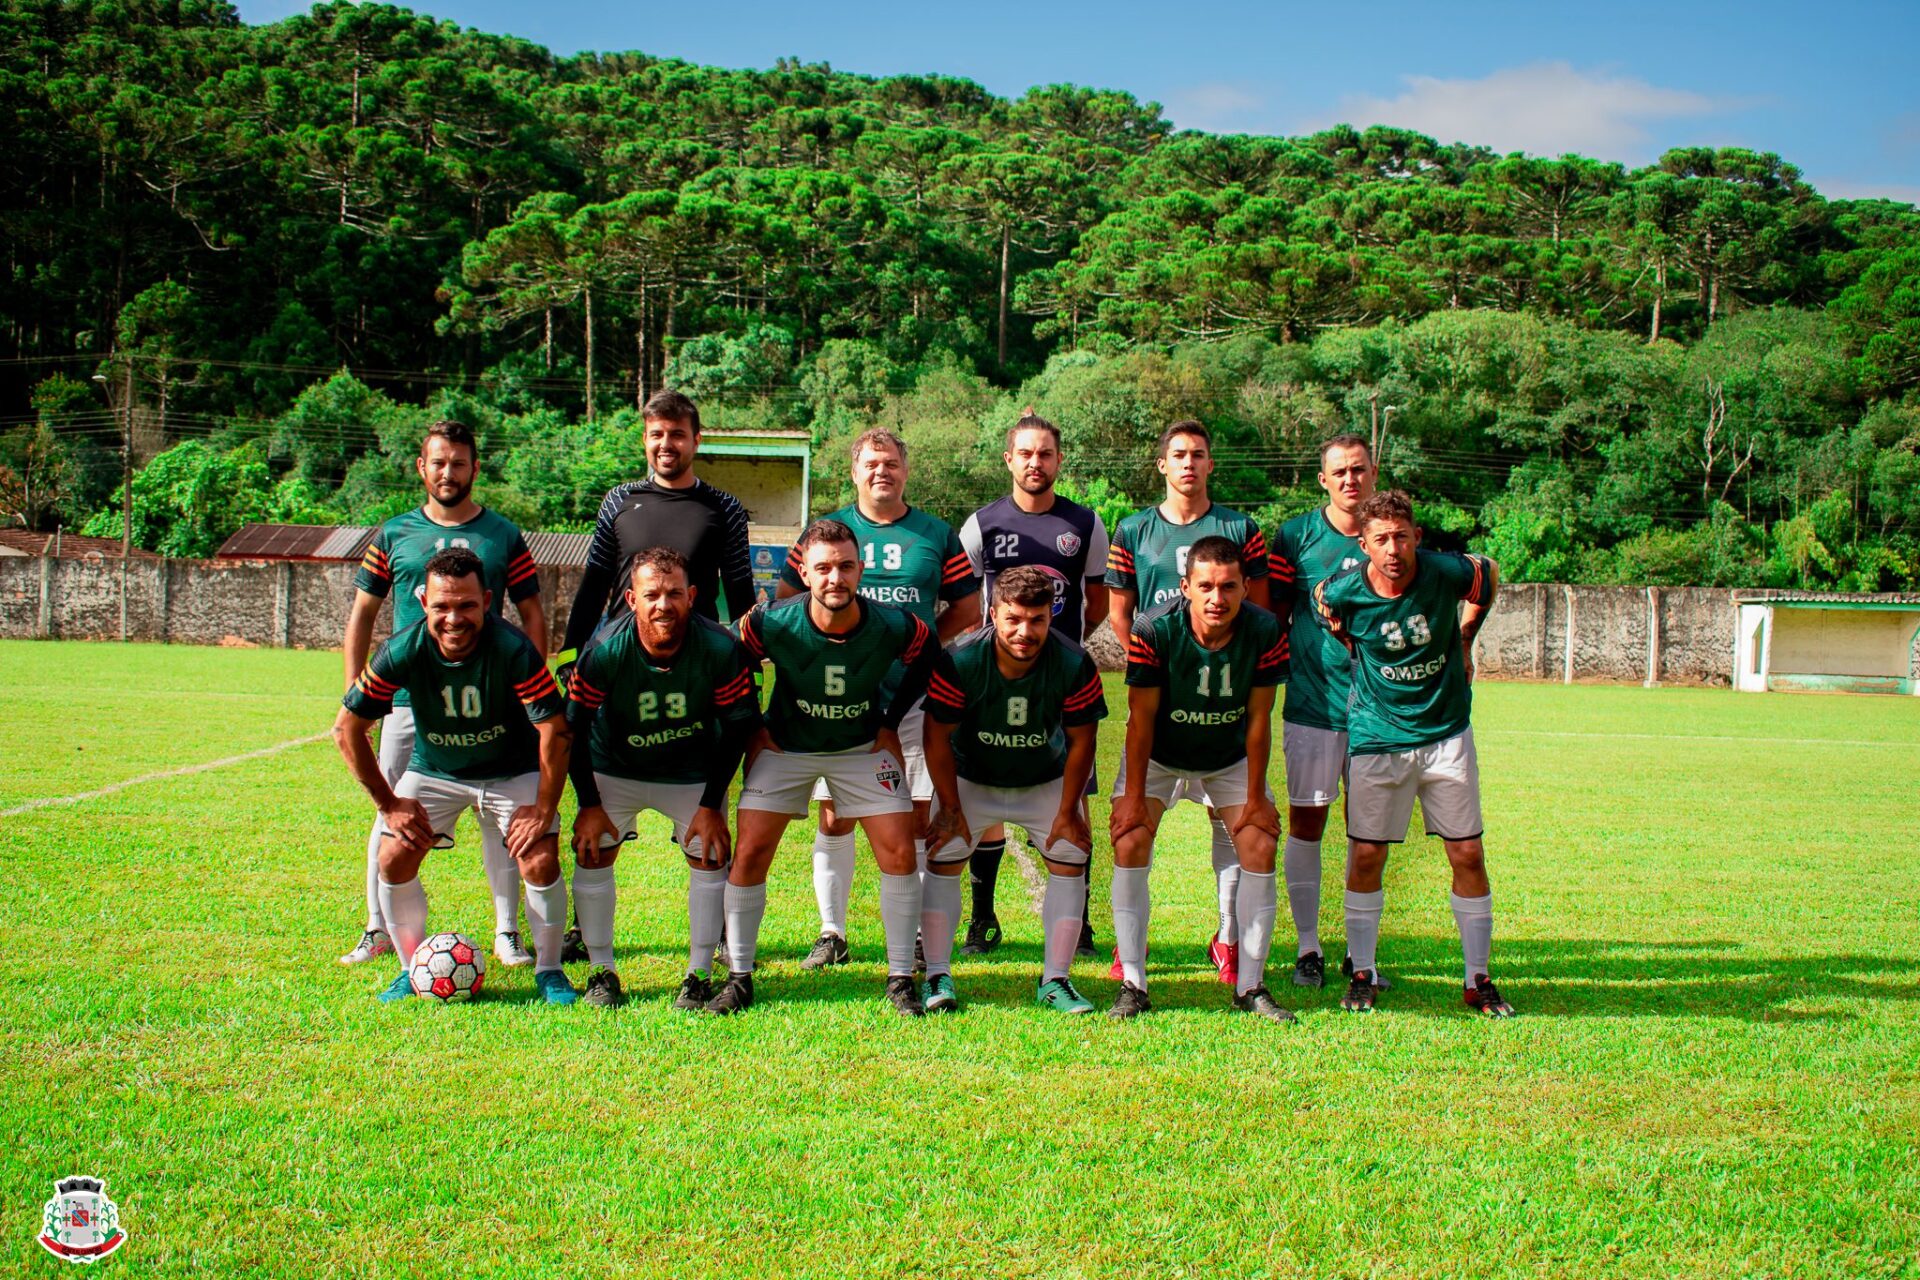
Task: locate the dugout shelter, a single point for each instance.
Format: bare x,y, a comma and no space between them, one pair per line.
1829,642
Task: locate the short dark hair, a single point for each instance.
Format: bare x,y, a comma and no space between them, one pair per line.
823,531
1345,440
1184,427
453,433
1394,504
879,438
1031,421
660,560
454,563
668,405
1215,550
1026,585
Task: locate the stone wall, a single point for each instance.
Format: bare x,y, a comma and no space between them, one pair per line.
1682,635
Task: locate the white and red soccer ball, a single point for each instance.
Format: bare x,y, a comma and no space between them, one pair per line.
447,967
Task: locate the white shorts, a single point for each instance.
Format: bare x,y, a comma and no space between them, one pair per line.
912,730
1444,776
861,783
1031,808
396,743
625,798
1221,789
1316,762
444,799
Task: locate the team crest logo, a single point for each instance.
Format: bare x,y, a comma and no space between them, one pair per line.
888,776
1068,544
81,1224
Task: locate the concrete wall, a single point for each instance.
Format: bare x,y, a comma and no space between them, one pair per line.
304,605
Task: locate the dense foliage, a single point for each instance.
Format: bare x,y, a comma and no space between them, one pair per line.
266,254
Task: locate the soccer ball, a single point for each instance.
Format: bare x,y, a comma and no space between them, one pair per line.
447,967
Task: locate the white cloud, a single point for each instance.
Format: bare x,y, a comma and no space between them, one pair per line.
1216,107
1545,108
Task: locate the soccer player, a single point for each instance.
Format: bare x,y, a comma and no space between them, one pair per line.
394,565
1144,568
832,652
1409,731
489,736
671,507
1034,526
1012,713
1306,551
1201,671
662,707
913,560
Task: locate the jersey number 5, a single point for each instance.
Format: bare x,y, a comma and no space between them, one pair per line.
836,682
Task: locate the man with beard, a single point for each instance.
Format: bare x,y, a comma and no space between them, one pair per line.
490,737
661,710
395,565
1033,525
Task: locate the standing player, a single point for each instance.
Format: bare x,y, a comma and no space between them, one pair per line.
1409,731
662,708
1034,526
832,654
490,737
1012,713
674,508
395,565
1144,568
912,560
1201,671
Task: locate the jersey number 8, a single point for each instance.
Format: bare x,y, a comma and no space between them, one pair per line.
1016,712
1416,627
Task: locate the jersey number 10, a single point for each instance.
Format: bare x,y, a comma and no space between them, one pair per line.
469,701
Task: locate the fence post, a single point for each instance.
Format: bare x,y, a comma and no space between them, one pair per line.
46,597
163,600
1540,631
1566,676
124,557
283,604
1653,638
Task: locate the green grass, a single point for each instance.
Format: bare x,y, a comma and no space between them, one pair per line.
1705,911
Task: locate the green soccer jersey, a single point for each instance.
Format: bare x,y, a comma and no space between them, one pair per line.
473,719
1013,733
656,723
1307,550
832,692
911,563
395,562
1202,723
1410,678
1148,555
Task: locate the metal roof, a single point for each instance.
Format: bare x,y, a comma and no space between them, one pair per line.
556,550
347,543
66,546
1841,599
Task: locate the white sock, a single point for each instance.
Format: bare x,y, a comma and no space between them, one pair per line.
1363,927
1258,906
706,915
1060,910
1131,907
900,916
1475,918
593,901
1301,860
833,859
503,880
404,907
939,916
746,907
1226,881
375,920
547,922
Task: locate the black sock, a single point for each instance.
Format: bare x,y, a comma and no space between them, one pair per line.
984,874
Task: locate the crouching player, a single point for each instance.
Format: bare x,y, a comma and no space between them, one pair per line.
1408,732
1201,670
832,652
662,707
1012,713
490,737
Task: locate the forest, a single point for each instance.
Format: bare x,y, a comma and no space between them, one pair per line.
251,262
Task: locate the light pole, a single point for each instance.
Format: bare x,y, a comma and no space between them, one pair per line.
126,458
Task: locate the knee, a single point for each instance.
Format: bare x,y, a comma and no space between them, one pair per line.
1256,851
1135,849
1367,861
541,866
1306,824
398,864
1467,856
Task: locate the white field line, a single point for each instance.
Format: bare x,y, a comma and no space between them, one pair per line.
1692,737
56,801
1029,871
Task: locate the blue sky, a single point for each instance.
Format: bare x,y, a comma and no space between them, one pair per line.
1830,86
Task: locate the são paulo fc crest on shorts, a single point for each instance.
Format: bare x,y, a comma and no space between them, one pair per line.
1068,544
888,776
81,1224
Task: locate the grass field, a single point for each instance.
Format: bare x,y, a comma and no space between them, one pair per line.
1706,910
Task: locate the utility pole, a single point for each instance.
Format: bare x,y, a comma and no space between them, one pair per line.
126,482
